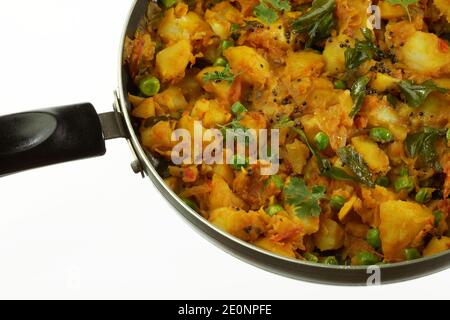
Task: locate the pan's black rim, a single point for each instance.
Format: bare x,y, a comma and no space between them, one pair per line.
296,269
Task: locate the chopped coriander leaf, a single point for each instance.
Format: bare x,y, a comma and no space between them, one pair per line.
304,202
265,14
416,94
216,76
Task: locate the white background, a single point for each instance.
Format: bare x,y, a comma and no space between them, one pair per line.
92,229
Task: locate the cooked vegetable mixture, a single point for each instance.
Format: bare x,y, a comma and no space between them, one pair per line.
363,115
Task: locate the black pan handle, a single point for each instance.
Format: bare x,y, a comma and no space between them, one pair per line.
43,137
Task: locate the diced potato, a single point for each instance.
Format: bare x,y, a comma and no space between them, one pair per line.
401,223
381,114
334,54
254,120
309,225
247,226
178,24
145,109
297,155
304,64
330,235
436,246
444,7
382,82
225,171
425,53
376,159
172,98
389,11
210,113
171,62
220,18
249,63
282,249
222,196
346,209
158,137
222,89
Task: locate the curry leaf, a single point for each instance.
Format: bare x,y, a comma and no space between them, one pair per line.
363,51
351,158
305,203
358,94
422,144
317,22
416,94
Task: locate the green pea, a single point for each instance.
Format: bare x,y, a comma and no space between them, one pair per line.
220,62
274,209
331,260
412,254
365,258
191,203
339,84
149,86
238,108
322,141
448,135
276,180
239,163
437,218
382,135
404,183
373,238
337,202
168,3
310,257
225,44
383,181
424,195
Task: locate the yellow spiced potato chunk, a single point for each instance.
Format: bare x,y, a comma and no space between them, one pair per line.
171,62
242,224
247,61
437,245
401,223
304,64
425,53
376,159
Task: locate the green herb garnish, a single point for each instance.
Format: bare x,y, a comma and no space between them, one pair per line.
416,94
363,51
358,94
423,145
317,22
266,10
217,76
351,158
305,203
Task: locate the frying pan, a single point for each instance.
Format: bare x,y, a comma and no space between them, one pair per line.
43,137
